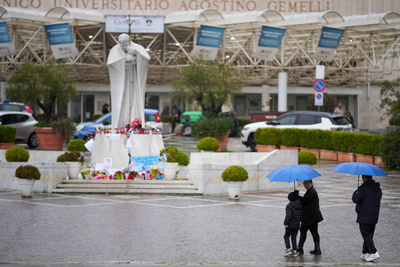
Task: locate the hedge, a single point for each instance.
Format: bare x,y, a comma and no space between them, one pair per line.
360,143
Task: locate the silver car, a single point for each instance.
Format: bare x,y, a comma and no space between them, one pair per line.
23,122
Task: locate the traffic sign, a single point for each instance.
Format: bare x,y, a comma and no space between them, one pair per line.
319,99
319,85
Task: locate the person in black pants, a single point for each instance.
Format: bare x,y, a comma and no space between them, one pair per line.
310,217
368,198
292,223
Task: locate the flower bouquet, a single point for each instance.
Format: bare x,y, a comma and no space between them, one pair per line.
118,175
99,175
133,175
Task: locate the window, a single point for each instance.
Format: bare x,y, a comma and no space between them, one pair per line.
340,121
13,118
287,120
308,120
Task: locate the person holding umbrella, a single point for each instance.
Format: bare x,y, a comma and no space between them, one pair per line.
368,199
310,217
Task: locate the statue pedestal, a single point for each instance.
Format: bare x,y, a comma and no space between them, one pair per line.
146,144
110,146
113,146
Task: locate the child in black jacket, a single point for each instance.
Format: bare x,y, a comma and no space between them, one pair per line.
292,222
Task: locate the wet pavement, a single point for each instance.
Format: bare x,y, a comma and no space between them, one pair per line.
173,230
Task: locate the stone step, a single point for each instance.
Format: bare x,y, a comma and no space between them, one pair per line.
150,182
127,186
125,191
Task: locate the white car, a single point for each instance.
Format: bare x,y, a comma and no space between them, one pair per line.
24,123
300,120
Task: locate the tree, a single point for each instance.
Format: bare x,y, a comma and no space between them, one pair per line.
209,83
390,101
47,84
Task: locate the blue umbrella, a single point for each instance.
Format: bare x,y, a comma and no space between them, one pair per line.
293,174
359,168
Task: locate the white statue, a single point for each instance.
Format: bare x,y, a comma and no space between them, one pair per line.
127,65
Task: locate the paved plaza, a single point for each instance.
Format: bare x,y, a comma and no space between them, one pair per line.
173,230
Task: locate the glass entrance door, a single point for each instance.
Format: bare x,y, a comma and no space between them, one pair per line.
88,107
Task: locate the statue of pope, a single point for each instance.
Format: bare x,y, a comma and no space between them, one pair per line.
127,65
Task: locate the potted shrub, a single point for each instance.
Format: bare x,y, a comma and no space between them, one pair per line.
51,136
307,157
7,136
77,145
17,154
170,154
74,160
208,144
234,176
183,161
218,128
27,174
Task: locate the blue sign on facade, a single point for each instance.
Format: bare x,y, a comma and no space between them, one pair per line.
271,37
210,36
61,41
330,37
4,36
58,34
6,47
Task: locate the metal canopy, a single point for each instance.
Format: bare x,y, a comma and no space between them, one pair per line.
369,50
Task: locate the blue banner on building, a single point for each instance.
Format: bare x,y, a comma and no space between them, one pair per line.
269,42
6,47
328,43
208,42
61,41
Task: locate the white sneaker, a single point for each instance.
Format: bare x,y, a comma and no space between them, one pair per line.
373,256
294,253
364,256
288,252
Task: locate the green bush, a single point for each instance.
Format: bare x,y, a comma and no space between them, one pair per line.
368,144
76,145
394,121
305,138
342,141
211,127
166,118
326,139
27,172
235,174
170,152
307,157
17,154
390,149
7,134
242,121
96,116
268,136
182,159
71,156
208,144
290,137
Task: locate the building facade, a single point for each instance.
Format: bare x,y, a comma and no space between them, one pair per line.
367,55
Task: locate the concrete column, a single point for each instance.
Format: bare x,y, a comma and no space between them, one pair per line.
282,92
265,98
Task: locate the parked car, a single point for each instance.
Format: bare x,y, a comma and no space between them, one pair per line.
189,117
6,105
300,120
24,123
86,130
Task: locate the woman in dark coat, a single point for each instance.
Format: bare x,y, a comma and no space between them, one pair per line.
310,217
